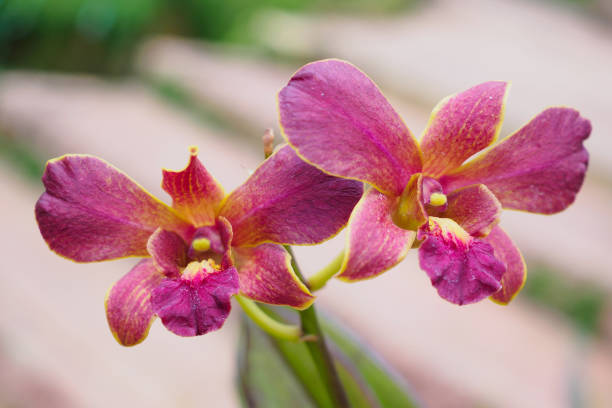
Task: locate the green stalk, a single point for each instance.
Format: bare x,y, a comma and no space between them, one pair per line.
319,279
318,349
267,323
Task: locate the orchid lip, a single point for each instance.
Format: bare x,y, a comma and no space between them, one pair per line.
198,302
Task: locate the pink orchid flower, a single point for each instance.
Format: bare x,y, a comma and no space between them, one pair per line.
204,249
425,193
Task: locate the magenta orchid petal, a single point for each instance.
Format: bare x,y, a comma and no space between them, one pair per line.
128,309
91,211
338,120
169,252
516,270
462,125
266,275
462,268
540,168
289,201
375,243
195,193
198,302
474,208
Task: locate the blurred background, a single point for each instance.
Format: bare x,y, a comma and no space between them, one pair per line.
136,82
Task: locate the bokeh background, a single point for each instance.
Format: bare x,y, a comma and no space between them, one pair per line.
136,82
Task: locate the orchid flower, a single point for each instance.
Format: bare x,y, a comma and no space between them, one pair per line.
201,251
428,193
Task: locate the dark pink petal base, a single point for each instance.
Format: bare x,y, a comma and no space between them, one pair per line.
220,238
198,302
463,269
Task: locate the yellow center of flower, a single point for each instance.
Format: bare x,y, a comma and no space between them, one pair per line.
437,199
201,244
196,268
192,270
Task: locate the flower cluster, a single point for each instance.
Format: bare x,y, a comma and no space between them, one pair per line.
342,132
203,249
425,193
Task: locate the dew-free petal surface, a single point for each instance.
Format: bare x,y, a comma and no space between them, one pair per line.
338,119
196,303
266,275
288,201
91,211
463,269
540,168
375,244
195,193
474,208
516,270
462,125
168,251
128,307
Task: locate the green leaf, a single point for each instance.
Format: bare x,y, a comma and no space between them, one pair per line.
264,377
389,389
279,373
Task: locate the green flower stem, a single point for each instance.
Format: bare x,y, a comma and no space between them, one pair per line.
322,358
318,349
319,279
267,323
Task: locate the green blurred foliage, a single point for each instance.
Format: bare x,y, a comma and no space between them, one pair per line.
100,36
21,156
88,35
280,373
582,303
